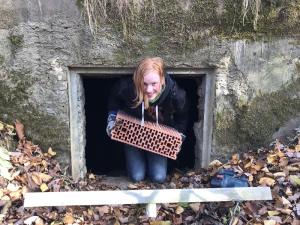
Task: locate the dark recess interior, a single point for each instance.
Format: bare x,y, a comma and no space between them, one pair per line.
104,156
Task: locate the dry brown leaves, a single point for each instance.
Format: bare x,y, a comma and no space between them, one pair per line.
34,170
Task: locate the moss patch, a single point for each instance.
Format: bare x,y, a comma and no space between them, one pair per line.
182,26
298,67
16,40
79,3
254,124
2,59
42,129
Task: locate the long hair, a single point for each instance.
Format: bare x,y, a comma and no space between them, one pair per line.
146,65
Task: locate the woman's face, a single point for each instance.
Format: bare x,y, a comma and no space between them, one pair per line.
152,84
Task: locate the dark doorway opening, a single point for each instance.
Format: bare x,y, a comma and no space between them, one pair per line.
104,156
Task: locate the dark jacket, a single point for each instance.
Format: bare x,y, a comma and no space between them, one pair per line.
172,104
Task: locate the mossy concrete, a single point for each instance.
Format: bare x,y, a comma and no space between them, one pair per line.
200,20
16,40
44,130
158,30
254,124
2,59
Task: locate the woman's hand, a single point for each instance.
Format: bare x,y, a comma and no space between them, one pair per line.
182,137
111,122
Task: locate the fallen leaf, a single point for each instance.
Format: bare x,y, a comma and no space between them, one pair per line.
257,167
123,220
103,209
39,221
1,126
296,222
283,162
20,129
4,153
286,211
285,201
235,221
215,163
44,187
235,158
10,129
280,154
252,207
271,159
16,195
179,210
68,219
4,172
132,186
269,222
265,169
12,187
266,181
5,198
5,163
30,220
36,178
295,180
189,218
288,191
273,213
117,222
263,210
160,222
279,174
92,176
177,219
294,197
195,206
45,177
292,168
51,152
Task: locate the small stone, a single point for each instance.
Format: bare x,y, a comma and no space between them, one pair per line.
172,185
184,180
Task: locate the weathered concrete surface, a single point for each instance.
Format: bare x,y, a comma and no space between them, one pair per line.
39,39
258,91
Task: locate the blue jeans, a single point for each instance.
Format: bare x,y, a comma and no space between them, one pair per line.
138,161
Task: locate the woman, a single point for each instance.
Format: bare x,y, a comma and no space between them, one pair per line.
152,96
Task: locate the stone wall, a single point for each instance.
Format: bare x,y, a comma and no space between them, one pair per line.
257,83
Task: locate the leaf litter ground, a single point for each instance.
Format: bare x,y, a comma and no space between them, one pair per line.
29,169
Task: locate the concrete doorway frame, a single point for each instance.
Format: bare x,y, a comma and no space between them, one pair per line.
202,129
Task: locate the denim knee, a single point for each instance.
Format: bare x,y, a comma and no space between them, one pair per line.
158,178
137,176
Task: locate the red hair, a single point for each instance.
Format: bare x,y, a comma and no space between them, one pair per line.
146,65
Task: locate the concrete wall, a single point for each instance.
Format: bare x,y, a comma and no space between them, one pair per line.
257,81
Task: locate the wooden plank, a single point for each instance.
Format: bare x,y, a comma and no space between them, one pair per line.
40,199
151,210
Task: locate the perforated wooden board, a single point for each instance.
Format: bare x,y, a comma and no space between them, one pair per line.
158,139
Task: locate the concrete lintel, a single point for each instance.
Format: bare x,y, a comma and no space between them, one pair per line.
104,70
